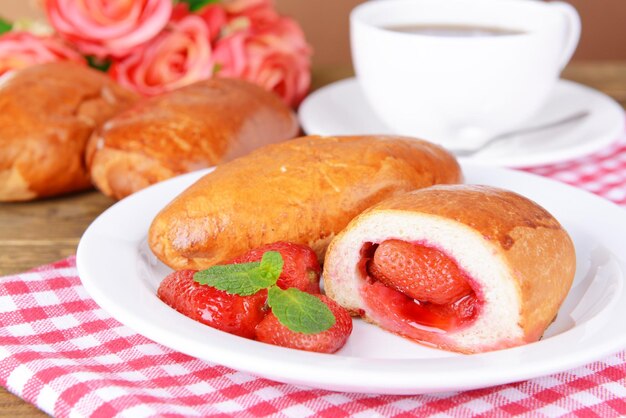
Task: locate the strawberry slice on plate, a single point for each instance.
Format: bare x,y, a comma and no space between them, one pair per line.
237,297
227,312
272,331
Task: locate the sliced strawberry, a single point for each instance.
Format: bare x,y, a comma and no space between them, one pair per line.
420,272
234,314
406,316
271,331
301,268
464,309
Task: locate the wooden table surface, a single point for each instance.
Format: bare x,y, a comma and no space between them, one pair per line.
40,232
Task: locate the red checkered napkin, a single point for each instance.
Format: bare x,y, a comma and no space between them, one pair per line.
61,352
602,173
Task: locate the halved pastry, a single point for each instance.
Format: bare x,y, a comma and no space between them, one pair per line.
459,267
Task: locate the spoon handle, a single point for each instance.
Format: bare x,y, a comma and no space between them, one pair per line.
563,121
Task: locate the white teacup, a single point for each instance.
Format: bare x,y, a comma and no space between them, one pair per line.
453,88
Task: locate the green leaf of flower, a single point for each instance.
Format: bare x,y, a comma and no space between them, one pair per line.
98,64
5,26
300,311
195,5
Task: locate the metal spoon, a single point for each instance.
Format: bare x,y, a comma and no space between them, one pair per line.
563,121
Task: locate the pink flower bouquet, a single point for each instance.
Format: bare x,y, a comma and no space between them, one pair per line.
154,46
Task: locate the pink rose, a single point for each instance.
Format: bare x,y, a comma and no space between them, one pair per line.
215,19
287,75
240,7
231,54
259,13
178,56
21,49
276,58
108,28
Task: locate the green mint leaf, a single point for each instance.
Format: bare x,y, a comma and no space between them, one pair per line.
240,279
5,26
243,279
195,5
98,64
272,264
300,311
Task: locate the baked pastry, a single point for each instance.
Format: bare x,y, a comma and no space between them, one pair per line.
494,267
194,127
302,191
47,113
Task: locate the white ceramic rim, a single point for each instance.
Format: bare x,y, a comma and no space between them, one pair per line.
609,135
103,261
367,15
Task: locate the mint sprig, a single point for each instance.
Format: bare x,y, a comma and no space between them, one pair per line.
5,26
295,309
300,311
243,279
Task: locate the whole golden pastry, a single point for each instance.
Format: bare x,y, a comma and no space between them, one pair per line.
304,191
47,113
194,127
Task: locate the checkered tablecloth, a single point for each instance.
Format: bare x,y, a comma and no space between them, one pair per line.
61,352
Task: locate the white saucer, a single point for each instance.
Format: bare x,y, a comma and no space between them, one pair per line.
341,109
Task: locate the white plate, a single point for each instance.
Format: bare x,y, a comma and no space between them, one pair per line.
341,109
121,274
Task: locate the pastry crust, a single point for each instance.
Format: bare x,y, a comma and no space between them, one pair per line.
194,127
47,113
303,191
522,262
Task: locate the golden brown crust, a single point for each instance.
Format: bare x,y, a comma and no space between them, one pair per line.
304,191
194,127
539,252
121,173
47,113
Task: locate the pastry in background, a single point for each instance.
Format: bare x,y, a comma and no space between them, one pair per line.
47,114
463,268
197,126
303,191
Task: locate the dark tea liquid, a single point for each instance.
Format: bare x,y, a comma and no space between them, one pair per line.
456,31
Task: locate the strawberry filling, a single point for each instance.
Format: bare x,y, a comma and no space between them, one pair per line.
413,289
